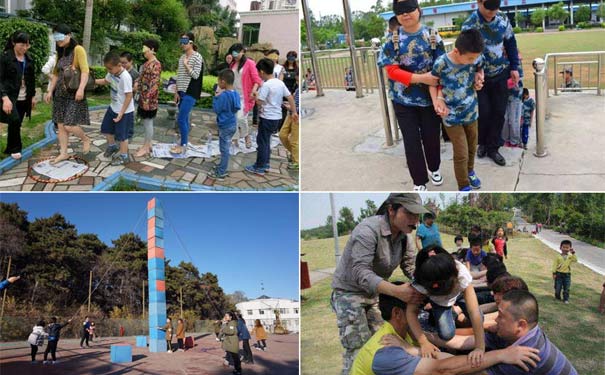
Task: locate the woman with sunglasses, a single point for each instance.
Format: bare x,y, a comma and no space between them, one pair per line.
17,89
408,63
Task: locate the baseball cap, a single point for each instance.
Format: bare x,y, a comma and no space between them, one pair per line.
491,4
410,201
567,70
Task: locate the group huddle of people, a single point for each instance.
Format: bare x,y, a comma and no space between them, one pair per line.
475,91
464,301
265,88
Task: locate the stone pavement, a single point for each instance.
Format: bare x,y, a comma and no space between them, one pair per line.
189,172
206,357
342,148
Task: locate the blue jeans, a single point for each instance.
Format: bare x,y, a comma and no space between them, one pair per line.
185,106
263,140
563,281
444,319
224,143
525,133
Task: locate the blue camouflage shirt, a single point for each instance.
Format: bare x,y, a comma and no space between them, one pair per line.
413,55
499,37
458,90
528,107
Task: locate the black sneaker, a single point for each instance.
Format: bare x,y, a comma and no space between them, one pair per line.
481,151
497,158
110,150
216,176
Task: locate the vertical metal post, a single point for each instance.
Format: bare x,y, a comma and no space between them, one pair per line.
599,62
334,228
386,120
541,98
311,45
89,290
354,66
556,75
8,270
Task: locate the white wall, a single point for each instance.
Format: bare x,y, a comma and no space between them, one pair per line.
280,28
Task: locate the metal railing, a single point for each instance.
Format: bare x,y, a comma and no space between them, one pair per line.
563,60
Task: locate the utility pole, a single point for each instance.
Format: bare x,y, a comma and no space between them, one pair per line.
4,294
89,290
334,229
181,302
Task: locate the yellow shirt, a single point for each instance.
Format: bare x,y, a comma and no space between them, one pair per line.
80,60
563,265
365,356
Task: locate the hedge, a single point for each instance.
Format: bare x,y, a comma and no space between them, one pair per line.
38,34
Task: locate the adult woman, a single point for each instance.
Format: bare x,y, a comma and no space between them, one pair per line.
247,82
70,110
409,63
230,342
291,71
17,89
149,88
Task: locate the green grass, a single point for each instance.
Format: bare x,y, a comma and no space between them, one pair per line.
576,329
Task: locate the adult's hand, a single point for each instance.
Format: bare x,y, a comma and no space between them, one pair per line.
7,105
514,74
48,97
475,358
426,78
34,101
12,279
407,294
79,95
428,350
391,340
177,98
521,356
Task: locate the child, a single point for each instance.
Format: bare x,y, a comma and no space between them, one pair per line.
475,256
180,334
54,334
458,240
36,338
499,242
561,270
460,253
168,329
92,331
226,103
512,116
528,114
456,102
288,135
118,122
270,99
126,62
443,279
261,335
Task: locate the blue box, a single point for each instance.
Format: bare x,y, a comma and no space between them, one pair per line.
158,308
150,213
121,354
155,264
157,345
141,341
157,297
156,274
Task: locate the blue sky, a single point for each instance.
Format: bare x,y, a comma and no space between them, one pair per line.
245,238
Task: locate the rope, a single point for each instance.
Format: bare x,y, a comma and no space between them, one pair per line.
37,178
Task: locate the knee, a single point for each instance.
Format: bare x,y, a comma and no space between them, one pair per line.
447,333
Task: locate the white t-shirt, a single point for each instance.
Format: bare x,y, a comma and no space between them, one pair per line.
272,93
119,87
277,70
464,280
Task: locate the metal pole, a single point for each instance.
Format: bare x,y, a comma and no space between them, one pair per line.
311,45
354,66
4,294
334,228
599,62
181,302
541,98
89,289
386,118
143,290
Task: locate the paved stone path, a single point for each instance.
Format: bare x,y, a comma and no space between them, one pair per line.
191,171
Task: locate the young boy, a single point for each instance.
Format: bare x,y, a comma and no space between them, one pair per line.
561,270
456,102
511,130
226,103
118,121
529,105
270,99
126,61
475,256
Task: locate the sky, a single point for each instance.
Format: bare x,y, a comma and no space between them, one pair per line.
324,8
246,239
315,207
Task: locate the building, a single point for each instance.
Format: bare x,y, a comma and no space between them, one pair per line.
231,4
280,27
12,6
263,309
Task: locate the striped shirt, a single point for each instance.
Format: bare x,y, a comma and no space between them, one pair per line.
552,361
183,77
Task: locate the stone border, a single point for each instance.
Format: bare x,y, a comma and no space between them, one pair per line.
50,137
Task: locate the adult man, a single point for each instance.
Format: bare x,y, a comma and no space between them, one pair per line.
498,66
517,322
85,335
404,359
376,247
428,232
570,84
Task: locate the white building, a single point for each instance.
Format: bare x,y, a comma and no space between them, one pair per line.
12,6
231,4
280,27
263,309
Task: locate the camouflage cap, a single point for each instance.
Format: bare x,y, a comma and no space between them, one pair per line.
410,201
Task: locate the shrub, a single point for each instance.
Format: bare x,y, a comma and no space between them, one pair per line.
583,25
100,72
539,30
449,34
562,28
208,82
38,33
517,30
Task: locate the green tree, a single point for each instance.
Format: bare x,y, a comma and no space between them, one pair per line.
601,11
38,34
537,17
346,221
166,18
369,210
368,25
582,14
557,12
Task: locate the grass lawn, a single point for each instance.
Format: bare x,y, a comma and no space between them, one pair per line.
576,329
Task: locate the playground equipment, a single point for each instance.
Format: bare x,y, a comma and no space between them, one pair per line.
157,283
121,353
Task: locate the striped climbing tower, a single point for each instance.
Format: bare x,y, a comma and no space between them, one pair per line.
155,269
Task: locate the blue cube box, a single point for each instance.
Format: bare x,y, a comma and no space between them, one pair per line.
157,297
141,341
121,354
158,308
156,274
157,345
155,264
157,334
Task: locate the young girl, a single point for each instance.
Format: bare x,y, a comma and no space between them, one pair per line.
36,338
91,330
261,335
499,242
443,279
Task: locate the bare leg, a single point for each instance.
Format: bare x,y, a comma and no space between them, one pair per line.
63,138
79,132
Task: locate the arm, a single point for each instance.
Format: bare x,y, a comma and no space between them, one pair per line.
293,108
82,64
476,356
510,45
404,292
408,263
418,244
195,69
426,348
505,251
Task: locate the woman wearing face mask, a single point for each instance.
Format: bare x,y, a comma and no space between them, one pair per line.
17,89
247,82
290,74
70,110
149,87
408,64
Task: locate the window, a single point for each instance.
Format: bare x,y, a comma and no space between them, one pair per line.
295,311
284,311
249,312
250,32
261,311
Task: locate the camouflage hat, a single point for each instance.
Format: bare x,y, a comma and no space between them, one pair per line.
410,201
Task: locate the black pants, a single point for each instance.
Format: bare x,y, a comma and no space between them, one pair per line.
14,120
247,351
52,349
493,99
255,115
34,351
169,345
237,364
85,337
420,129
261,344
180,342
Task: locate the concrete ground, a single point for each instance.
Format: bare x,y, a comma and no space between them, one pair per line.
206,358
343,149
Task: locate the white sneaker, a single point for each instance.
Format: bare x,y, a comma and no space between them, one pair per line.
55,362
45,362
170,351
419,187
436,178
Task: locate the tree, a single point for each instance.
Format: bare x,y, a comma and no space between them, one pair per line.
601,11
38,34
237,297
369,210
367,25
537,17
166,18
582,14
346,221
557,12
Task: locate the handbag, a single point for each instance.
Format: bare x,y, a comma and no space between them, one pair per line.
72,76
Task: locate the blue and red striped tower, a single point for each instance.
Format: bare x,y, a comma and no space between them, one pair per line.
157,280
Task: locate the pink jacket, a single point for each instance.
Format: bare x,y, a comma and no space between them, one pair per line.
249,78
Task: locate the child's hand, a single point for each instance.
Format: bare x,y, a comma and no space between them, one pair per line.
391,340
441,109
428,350
476,357
118,118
